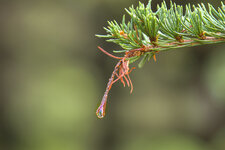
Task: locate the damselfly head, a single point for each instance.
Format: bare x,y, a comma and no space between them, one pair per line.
100,112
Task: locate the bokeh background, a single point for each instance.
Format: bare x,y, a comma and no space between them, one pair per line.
52,78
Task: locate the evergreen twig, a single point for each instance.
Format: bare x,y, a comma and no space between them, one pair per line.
148,33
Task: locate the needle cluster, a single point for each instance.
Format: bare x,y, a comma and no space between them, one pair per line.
148,32
167,28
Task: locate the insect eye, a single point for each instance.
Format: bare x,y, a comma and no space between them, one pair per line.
100,112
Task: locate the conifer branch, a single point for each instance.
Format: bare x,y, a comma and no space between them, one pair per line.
148,33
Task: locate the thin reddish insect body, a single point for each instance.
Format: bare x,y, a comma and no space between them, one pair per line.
101,109
121,71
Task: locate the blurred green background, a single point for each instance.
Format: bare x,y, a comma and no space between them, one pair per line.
53,78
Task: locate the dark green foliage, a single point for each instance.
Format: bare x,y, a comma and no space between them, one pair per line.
167,28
